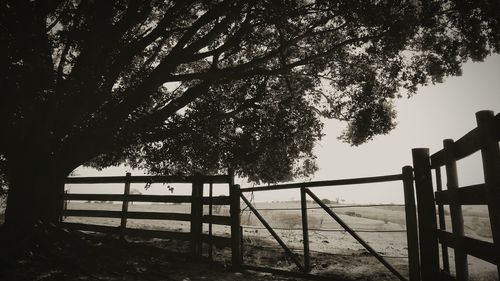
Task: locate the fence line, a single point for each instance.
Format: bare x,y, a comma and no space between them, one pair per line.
324,229
423,247
196,217
483,138
326,253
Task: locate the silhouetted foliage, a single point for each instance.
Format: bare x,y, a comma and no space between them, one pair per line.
3,185
199,86
3,197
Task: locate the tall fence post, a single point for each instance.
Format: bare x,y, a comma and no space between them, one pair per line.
196,218
411,224
126,192
426,208
234,210
457,219
210,214
305,230
490,152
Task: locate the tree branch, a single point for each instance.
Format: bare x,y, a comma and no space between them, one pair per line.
128,52
230,42
135,97
218,28
248,69
247,104
158,117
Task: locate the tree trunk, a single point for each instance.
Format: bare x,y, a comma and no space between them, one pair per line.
35,194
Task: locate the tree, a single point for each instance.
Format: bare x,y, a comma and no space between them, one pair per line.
197,86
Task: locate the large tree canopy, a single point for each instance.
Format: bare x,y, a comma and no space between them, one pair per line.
199,86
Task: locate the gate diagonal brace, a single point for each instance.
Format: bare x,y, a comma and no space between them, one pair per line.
355,235
273,233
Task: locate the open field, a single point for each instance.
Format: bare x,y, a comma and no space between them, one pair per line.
333,252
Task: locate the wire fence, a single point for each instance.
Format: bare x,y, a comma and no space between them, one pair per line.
323,229
326,253
331,207
327,230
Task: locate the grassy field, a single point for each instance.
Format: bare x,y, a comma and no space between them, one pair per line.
333,252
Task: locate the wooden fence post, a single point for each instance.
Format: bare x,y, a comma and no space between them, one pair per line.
210,214
457,219
241,244
196,218
411,224
234,210
126,191
426,208
442,222
64,206
488,126
305,230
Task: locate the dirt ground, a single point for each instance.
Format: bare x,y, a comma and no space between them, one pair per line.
77,256
334,254
95,257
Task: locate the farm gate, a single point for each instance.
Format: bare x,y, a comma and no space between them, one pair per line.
195,236
306,190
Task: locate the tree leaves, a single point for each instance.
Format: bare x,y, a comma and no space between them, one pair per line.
94,79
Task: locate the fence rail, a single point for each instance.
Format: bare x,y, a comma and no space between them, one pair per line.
470,142
186,236
468,195
129,197
218,179
326,183
480,249
128,215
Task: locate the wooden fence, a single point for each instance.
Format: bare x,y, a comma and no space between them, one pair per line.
484,138
424,237
196,217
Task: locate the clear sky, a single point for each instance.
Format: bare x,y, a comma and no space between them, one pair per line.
437,112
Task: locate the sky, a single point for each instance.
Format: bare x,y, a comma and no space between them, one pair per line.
436,112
